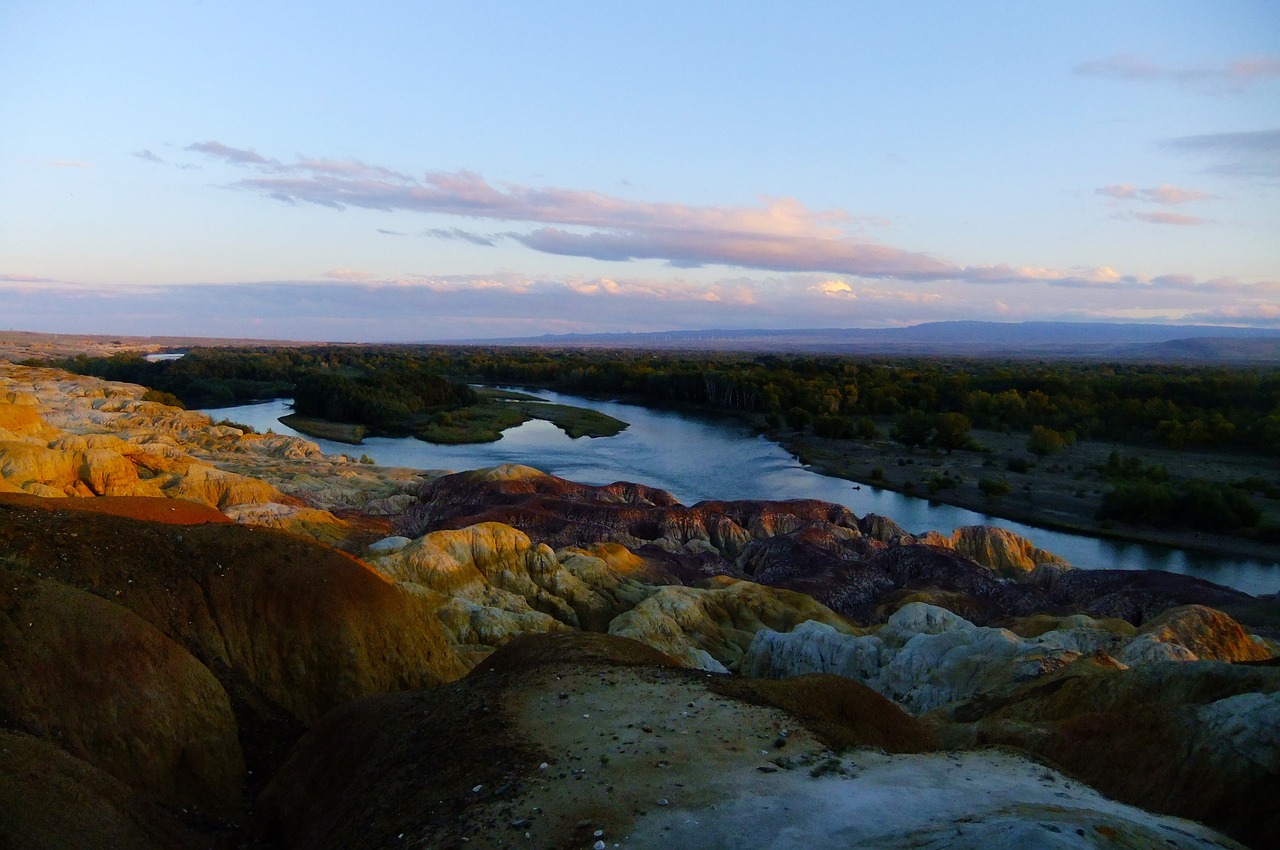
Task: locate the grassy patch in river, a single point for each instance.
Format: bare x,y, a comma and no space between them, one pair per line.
485,422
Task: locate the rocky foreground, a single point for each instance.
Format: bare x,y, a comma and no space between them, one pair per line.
217,639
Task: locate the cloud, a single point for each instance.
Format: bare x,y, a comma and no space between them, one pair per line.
358,305
1170,218
348,274
25,278
235,156
68,163
385,232
1165,193
1253,153
834,288
1168,194
1233,76
1122,191
463,235
147,155
776,234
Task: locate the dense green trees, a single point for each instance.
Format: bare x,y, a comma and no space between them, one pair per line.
1179,406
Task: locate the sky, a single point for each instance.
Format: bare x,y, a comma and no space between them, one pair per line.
420,171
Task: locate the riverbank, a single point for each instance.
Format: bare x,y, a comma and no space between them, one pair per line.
1062,492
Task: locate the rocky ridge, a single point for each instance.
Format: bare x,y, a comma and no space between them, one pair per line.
596,623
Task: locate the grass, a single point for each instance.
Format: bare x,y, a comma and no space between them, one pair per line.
339,432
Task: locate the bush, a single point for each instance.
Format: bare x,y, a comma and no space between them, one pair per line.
994,487
248,429
163,398
798,418
951,431
1019,464
913,428
1197,504
1045,441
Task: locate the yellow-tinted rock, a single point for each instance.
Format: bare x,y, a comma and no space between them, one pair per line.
1206,632
711,627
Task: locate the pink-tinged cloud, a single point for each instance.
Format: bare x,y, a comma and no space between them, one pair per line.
1233,76
1165,193
1170,218
235,156
1122,191
1169,194
352,275
777,234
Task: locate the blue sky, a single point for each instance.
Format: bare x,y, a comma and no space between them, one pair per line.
423,171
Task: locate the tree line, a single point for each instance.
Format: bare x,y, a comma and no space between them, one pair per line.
1177,406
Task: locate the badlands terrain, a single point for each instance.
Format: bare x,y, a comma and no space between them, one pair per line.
217,639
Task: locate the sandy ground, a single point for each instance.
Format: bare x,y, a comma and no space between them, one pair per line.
1060,491
643,757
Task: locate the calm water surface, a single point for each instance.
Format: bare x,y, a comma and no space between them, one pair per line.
697,458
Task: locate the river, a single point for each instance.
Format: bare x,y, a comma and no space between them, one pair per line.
697,458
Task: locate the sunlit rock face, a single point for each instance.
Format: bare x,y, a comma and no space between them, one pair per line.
495,584
67,435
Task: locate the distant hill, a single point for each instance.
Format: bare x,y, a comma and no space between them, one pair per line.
1128,341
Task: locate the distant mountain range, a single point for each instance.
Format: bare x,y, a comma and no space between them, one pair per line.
1130,341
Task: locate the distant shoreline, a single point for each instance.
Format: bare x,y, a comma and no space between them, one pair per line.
1051,502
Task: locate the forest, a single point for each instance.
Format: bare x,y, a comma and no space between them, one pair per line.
1175,406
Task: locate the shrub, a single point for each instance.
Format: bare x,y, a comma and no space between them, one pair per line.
163,398
248,429
994,487
1045,441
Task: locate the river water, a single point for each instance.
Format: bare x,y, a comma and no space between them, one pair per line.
698,458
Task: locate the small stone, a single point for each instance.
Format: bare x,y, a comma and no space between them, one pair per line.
543,766
521,823
599,845
599,833
664,802
767,768
477,789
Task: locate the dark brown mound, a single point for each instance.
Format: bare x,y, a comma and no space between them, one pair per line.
288,628
1132,734
412,763
52,801
571,648
840,711
109,688
168,511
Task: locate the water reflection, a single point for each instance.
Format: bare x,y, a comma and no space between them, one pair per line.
702,458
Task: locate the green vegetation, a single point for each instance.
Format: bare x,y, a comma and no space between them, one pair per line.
1176,406
484,423
248,429
994,488
1195,504
1046,441
163,398
1146,495
339,432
